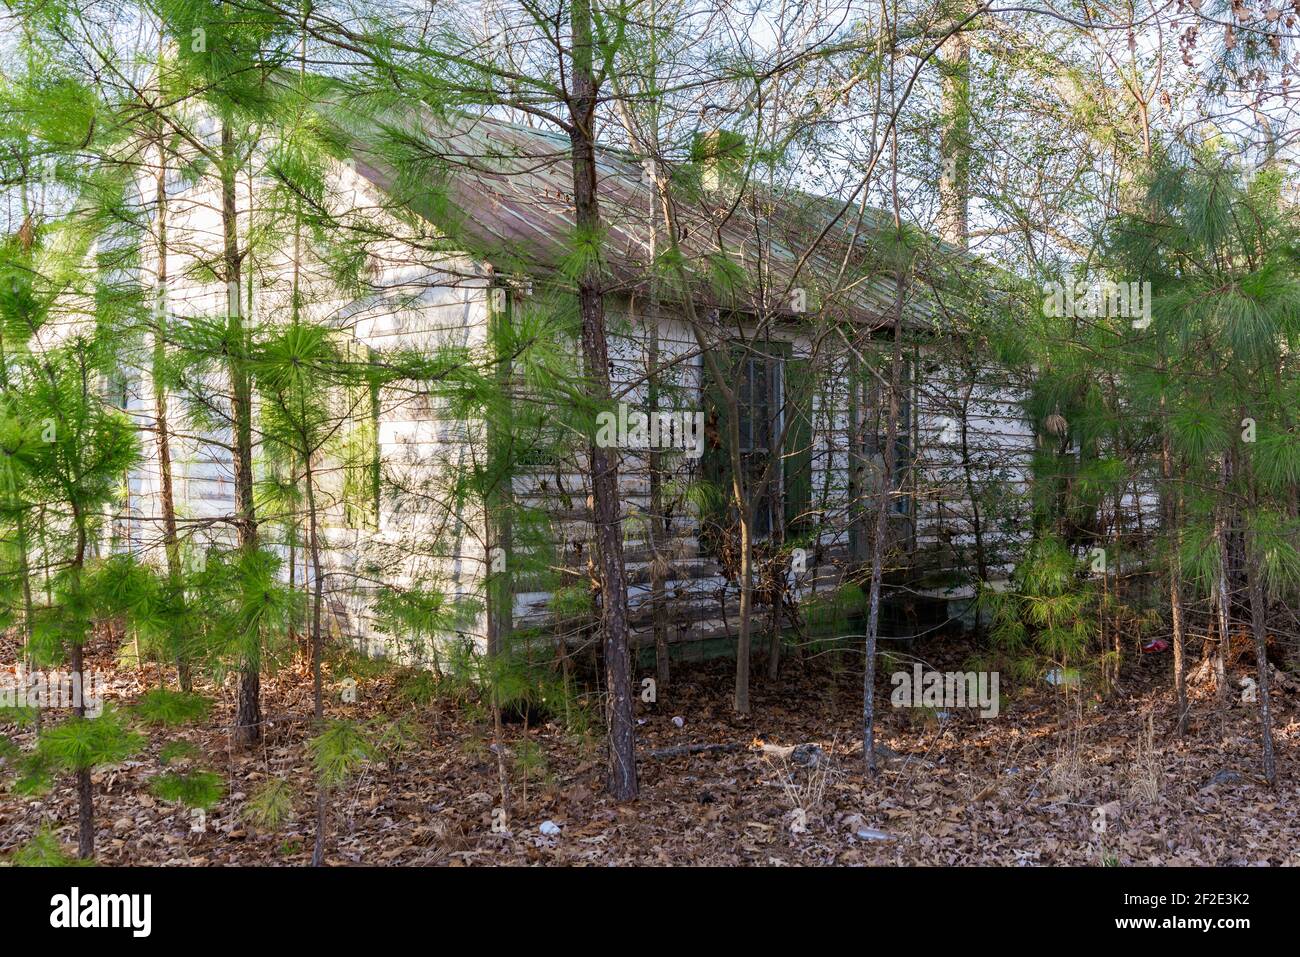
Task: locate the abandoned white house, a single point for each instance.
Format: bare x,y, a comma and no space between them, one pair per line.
477,227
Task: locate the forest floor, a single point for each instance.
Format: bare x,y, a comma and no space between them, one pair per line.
1017,789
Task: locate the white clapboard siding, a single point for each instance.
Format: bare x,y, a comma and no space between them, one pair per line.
422,302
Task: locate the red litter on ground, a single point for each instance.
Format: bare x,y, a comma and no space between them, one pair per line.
1155,647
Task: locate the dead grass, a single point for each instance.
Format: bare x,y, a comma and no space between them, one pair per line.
1146,773
803,786
989,792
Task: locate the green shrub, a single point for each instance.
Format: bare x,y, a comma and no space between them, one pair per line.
44,850
174,751
172,708
200,789
271,805
338,751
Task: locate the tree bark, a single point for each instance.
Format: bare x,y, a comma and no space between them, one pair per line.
604,465
317,597
879,543
744,642
322,822
968,471
1175,583
658,526
248,717
1259,626
85,788
162,436
1223,594
1223,605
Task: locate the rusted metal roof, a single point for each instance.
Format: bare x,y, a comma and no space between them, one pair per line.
503,192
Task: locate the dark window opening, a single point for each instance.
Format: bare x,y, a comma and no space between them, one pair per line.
877,434
758,405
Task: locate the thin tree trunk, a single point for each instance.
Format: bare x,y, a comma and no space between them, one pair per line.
886,488
85,815
248,717
977,528
162,437
657,525
1180,656
658,564
322,821
29,607
744,636
1259,626
604,465
317,650
498,735
292,535
85,788
1223,597
317,598
1175,583
879,542
1224,607
774,639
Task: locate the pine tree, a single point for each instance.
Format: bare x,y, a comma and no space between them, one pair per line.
1218,244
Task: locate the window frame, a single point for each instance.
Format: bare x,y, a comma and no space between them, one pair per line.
769,514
